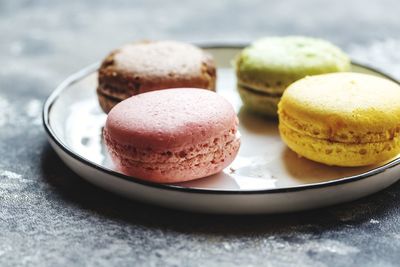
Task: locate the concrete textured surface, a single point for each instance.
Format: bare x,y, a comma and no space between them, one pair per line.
51,217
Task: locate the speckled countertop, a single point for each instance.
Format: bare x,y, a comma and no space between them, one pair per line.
51,217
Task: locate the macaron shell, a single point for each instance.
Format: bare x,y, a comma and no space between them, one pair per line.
167,119
171,155
337,153
180,170
343,107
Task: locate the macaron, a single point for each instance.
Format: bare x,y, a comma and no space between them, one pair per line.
342,119
266,67
172,135
152,65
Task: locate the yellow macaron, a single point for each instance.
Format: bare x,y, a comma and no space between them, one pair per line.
342,119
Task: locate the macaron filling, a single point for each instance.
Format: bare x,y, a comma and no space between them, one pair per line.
259,102
177,154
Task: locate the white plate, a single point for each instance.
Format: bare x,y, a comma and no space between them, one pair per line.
266,177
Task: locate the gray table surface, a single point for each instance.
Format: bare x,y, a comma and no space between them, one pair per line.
51,217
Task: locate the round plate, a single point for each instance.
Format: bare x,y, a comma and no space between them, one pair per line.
266,177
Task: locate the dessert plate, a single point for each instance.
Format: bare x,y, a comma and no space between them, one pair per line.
266,177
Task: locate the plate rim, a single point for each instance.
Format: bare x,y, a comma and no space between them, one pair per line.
79,75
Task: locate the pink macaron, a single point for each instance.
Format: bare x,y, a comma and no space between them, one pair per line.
173,135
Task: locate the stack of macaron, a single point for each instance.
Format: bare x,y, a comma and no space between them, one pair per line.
166,124
326,113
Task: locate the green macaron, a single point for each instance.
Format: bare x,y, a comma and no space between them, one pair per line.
266,67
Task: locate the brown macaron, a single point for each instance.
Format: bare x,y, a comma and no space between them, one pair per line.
153,65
